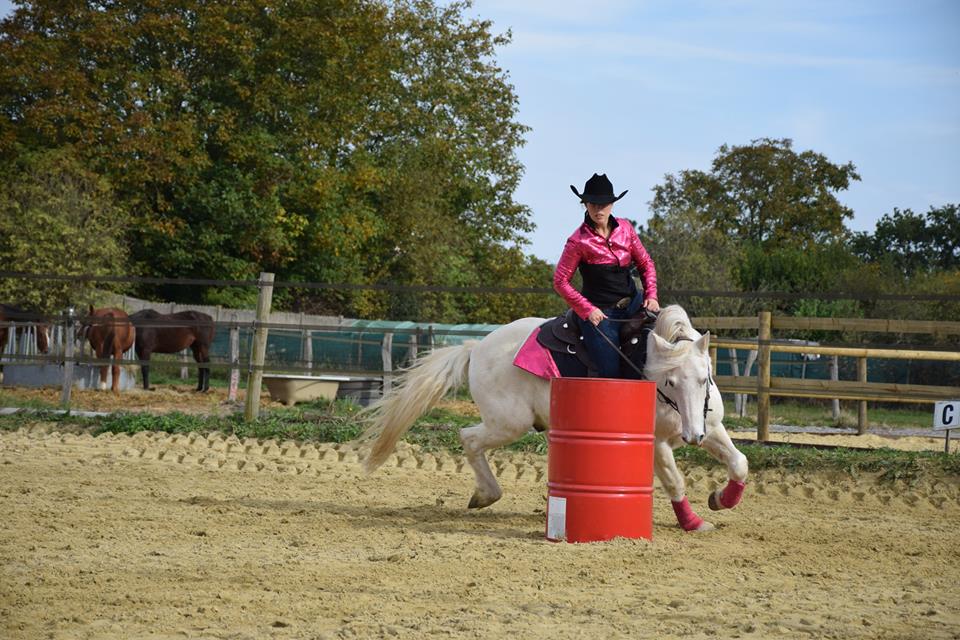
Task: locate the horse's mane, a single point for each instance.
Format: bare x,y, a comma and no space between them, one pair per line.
673,325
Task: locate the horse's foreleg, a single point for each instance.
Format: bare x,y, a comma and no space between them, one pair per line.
476,440
144,358
115,371
665,467
718,444
202,355
103,370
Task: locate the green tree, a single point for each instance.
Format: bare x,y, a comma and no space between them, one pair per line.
58,217
914,243
693,257
764,193
330,140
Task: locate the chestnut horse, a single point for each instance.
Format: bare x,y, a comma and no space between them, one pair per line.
171,333
10,313
110,333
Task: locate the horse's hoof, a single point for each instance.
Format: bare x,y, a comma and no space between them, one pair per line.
476,502
703,528
714,503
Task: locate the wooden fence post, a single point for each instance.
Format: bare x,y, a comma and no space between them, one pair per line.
834,377
234,359
414,345
68,334
306,345
763,377
735,369
386,355
747,368
862,405
259,349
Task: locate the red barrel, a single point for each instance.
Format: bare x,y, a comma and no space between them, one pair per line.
600,459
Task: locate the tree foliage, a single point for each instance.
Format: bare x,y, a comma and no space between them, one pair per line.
914,243
323,140
60,218
764,193
694,257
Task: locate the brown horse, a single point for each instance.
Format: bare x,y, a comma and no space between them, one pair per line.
10,313
110,333
171,333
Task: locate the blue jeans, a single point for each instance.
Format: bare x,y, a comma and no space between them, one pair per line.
604,356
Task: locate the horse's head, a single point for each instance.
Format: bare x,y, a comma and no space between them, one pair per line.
678,360
84,324
43,338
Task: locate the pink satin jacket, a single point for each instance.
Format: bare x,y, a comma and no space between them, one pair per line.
586,245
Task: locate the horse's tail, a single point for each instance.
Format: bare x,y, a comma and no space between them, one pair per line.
109,336
417,390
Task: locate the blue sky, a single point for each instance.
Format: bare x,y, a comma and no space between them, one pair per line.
641,89
638,89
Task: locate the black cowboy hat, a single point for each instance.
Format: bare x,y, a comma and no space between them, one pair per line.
598,190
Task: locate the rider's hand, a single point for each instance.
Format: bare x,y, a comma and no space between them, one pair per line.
596,316
651,304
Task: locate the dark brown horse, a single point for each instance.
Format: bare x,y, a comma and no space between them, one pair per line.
22,317
171,333
110,333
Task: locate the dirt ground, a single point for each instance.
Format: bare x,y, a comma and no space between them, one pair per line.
191,536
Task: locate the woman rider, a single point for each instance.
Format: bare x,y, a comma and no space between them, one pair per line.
604,249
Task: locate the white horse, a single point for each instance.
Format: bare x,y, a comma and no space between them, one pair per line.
511,401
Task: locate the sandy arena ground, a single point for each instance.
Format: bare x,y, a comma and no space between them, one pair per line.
172,536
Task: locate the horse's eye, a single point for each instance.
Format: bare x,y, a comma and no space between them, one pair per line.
668,382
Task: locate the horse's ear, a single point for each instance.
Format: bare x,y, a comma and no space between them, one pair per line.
703,344
659,344
91,309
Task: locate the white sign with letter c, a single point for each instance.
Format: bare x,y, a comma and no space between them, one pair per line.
946,415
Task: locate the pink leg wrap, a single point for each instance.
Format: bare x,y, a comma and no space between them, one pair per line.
731,494
689,521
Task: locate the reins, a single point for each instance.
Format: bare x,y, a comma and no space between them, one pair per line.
660,394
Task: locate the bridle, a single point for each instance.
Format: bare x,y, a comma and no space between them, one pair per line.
661,396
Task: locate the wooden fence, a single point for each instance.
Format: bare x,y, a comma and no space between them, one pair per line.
764,386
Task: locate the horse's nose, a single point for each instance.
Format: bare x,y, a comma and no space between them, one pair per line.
696,440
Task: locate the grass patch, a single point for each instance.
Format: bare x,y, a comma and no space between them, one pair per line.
892,464
8,399
438,430
166,371
820,414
